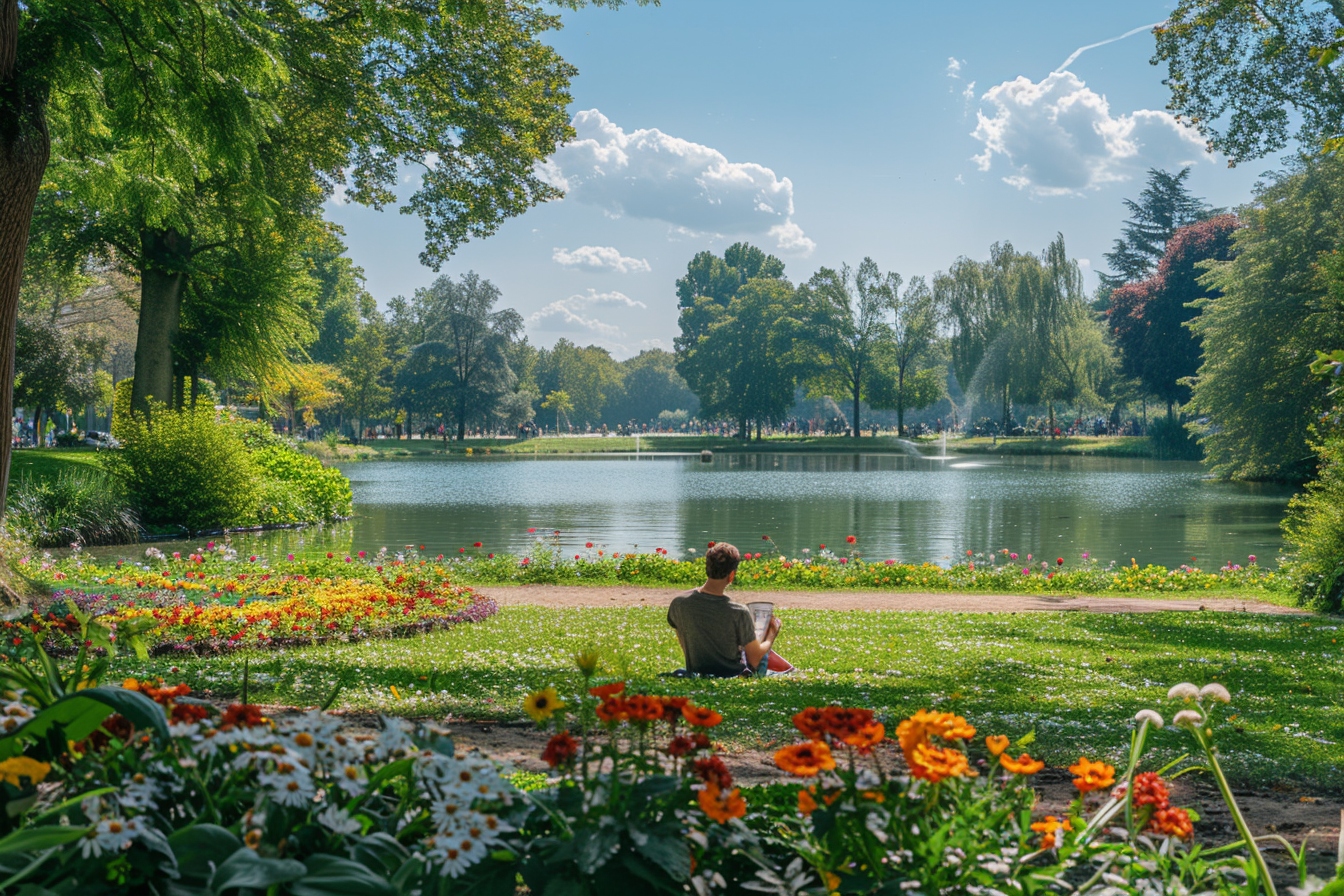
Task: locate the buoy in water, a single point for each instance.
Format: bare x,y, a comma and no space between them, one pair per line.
706,456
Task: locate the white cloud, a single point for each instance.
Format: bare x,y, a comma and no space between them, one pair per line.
954,67
583,314
599,258
649,174
1059,138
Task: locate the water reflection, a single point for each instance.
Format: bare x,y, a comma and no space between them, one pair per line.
905,507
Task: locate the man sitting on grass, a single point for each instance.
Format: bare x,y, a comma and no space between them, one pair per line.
716,633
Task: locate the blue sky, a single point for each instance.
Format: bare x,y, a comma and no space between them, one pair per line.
913,132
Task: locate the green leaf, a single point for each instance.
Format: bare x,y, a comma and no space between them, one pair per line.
564,886
247,869
334,876
45,837
80,714
595,846
669,853
202,846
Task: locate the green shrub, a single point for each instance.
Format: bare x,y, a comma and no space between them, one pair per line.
121,407
299,488
186,468
1173,441
83,506
1314,530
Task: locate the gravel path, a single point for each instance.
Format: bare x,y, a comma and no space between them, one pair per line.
626,596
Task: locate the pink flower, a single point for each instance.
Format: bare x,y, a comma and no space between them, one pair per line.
891,562
1251,558
349,560
177,555
362,555
289,556
844,559
1085,555
210,546
1025,571
1014,556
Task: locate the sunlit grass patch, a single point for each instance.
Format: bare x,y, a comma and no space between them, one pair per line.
1075,678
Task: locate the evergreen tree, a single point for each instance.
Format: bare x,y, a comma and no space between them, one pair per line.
1165,206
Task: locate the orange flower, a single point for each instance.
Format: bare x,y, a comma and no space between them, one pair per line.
811,722
1150,790
997,743
842,722
672,707
701,717
933,764
924,724
1022,765
1172,822
644,709
607,690
1090,776
806,759
612,709
867,737
1048,828
806,804
243,715
711,770
720,806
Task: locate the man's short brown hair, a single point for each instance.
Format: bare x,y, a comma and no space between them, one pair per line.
721,560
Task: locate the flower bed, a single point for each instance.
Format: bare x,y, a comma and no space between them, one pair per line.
212,600
638,798
999,571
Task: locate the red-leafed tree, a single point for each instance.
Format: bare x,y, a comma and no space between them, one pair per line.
1148,318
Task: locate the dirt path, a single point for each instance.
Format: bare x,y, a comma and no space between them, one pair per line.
630,596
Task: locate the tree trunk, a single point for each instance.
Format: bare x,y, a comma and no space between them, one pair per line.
25,147
900,403
858,430
162,279
1171,412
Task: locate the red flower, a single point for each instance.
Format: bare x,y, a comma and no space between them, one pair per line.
560,750
532,530
644,709
711,769
490,556
850,539
588,544
680,745
711,544
765,538
478,544
1059,561
700,716
607,690
244,715
329,555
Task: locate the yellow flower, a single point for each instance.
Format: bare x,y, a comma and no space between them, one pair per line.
587,661
542,704
13,770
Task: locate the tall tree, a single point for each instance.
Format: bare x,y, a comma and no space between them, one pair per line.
650,385
1245,72
588,375
364,364
746,365
158,106
1164,207
909,385
1150,318
847,311
462,367
1280,299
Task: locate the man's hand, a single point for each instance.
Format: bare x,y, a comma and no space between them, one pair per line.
773,628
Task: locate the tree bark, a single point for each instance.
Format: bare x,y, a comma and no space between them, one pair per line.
858,430
25,146
162,279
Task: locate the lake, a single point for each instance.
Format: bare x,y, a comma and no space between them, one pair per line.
905,507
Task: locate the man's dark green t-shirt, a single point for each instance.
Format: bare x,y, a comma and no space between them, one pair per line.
714,629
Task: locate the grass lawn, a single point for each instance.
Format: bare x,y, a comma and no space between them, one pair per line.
1075,679
1094,446
48,463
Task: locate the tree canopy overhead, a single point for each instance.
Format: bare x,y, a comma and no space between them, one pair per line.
175,121
1245,72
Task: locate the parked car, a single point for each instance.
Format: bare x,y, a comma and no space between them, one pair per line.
97,439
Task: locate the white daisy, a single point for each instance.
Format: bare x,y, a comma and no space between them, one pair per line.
336,819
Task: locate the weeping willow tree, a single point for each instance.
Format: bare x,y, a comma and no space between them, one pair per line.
1019,328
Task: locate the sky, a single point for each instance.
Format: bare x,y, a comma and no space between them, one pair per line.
911,132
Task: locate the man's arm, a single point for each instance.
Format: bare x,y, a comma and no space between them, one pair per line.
757,650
